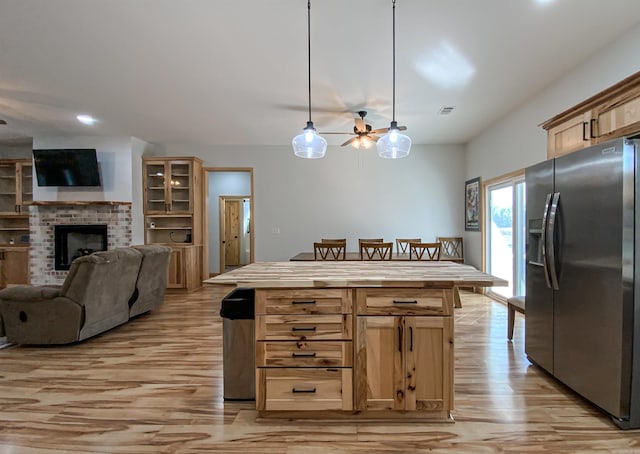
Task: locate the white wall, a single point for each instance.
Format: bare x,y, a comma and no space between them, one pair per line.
517,141
350,193
16,149
222,183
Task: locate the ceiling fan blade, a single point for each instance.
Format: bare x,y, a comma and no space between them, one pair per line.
373,137
343,133
353,139
360,124
383,130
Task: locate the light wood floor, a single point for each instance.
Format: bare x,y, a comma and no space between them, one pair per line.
154,385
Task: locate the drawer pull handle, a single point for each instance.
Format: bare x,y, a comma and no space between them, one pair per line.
296,390
405,302
297,328
303,302
303,355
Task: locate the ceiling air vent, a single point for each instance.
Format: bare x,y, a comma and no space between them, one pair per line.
446,110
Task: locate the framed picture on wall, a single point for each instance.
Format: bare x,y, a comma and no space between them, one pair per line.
472,205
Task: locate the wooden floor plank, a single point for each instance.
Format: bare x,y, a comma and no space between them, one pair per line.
154,385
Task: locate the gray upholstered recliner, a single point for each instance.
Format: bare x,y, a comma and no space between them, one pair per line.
94,297
152,278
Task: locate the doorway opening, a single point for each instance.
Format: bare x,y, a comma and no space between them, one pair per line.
228,219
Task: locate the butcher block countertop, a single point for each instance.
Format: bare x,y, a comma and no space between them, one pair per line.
320,274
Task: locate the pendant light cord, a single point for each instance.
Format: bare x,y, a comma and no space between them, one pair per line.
309,51
394,62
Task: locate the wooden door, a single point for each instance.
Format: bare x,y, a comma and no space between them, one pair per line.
428,363
176,271
232,210
14,266
379,363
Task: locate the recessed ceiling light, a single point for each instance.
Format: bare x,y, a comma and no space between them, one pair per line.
543,2
86,119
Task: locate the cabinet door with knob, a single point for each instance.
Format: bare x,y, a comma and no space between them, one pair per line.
14,266
168,186
405,362
404,350
16,186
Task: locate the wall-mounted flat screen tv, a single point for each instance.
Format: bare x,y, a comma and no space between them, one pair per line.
67,167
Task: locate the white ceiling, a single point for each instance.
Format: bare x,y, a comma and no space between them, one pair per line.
235,72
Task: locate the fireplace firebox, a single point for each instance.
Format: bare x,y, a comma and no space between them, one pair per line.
73,241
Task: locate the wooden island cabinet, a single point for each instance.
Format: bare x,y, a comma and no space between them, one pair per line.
355,340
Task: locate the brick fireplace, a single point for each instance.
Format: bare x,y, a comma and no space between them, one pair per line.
44,216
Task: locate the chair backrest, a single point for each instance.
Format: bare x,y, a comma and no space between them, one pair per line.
424,251
334,240
103,284
451,248
376,250
152,279
336,250
402,244
367,240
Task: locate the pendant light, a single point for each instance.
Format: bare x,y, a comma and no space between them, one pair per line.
394,145
309,144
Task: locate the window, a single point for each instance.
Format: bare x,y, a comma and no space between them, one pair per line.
505,233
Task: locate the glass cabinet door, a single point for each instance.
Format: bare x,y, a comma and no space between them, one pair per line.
180,187
155,173
8,189
26,186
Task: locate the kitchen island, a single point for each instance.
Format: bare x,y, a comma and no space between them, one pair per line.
359,340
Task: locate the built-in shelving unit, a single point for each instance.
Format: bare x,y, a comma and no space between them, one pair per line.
173,215
16,193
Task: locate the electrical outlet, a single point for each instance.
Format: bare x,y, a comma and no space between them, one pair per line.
275,230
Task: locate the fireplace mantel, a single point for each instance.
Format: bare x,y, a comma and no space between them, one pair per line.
76,203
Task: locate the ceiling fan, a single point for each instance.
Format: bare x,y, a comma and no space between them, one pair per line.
365,136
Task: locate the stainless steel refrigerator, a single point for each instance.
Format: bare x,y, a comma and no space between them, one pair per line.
582,322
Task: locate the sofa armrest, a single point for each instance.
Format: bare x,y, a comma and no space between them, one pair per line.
28,293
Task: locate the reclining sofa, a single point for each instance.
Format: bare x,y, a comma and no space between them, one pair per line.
101,291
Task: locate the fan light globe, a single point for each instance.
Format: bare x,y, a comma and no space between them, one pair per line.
309,144
394,145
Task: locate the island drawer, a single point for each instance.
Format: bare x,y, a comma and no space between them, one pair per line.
303,301
304,354
404,301
304,327
304,389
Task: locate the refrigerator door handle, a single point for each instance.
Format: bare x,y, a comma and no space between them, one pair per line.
545,218
553,212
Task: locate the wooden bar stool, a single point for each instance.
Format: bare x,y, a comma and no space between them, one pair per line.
514,304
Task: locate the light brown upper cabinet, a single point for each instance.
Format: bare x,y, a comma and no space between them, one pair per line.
16,186
612,113
169,185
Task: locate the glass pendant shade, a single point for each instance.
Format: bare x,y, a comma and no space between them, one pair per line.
394,145
309,144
